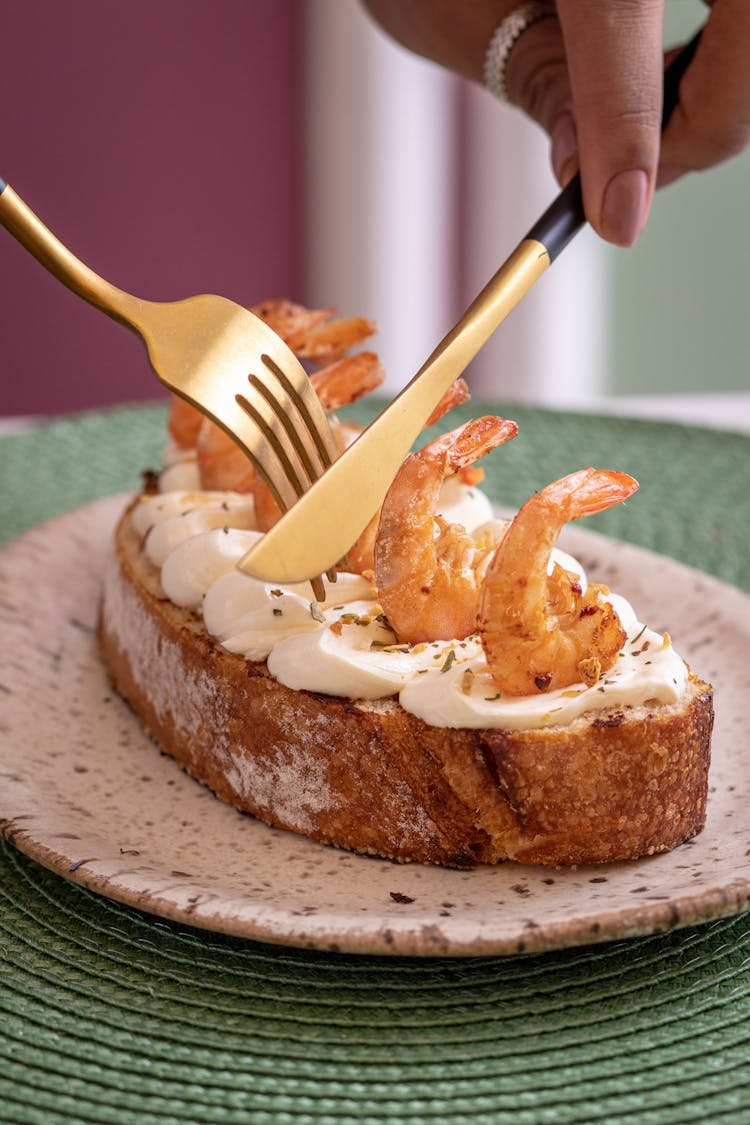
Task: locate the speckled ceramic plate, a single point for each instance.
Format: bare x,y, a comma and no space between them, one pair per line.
84,792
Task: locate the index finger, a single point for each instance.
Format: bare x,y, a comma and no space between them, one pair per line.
712,120
615,64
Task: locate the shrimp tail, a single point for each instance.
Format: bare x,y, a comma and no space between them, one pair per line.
539,630
426,570
288,318
476,439
313,333
588,491
345,380
457,393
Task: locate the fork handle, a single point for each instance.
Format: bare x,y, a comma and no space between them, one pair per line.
20,221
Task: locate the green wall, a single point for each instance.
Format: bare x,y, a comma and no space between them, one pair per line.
680,301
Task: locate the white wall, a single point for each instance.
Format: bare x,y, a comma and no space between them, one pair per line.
402,230
379,184
680,296
552,347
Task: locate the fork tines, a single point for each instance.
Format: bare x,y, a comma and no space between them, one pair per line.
297,439
287,419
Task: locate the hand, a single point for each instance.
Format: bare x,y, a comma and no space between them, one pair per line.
592,77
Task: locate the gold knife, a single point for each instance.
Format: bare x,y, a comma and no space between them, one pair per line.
327,519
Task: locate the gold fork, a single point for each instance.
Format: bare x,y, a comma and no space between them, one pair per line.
221,358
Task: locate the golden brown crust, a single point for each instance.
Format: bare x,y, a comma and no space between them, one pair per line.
376,779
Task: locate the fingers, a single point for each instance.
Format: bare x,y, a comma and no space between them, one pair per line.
615,63
593,80
536,77
712,119
593,77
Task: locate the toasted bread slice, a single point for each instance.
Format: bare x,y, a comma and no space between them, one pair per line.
373,778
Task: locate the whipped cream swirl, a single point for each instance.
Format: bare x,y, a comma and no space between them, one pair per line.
343,646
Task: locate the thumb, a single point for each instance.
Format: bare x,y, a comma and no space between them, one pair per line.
615,63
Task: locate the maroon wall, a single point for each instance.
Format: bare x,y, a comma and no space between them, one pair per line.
158,140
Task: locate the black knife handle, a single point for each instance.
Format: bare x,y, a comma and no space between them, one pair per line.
564,217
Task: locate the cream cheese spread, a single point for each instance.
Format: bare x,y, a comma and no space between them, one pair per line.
181,476
344,646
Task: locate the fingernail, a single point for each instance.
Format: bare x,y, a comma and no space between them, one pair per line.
624,207
564,148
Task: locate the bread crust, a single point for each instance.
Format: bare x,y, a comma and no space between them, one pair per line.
373,778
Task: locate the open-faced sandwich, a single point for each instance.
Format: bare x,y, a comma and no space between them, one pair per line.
461,695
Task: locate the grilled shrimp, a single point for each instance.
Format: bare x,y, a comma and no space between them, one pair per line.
183,423
361,557
221,463
427,571
311,333
539,631
347,379
314,333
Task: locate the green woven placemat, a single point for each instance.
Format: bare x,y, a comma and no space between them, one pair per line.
110,1016
694,502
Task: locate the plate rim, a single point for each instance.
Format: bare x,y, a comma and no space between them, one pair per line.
720,899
